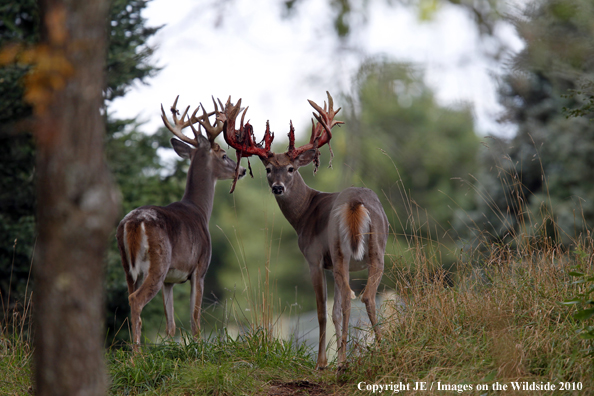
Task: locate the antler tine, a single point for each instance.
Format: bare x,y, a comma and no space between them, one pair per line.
212,131
242,140
215,105
331,102
183,115
242,117
179,124
320,132
196,132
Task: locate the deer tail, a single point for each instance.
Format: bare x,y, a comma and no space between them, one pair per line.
354,222
133,239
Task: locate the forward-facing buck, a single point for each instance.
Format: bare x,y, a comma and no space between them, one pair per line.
343,231
161,246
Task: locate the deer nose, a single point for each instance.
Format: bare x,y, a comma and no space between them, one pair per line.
242,173
278,189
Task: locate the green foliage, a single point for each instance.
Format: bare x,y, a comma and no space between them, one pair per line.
584,95
547,167
19,21
17,223
350,15
145,372
18,24
143,176
251,224
129,57
406,147
562,50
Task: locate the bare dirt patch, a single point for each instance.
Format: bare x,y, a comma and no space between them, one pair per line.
302,387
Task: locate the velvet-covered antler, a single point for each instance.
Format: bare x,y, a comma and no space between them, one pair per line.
320,131
242,139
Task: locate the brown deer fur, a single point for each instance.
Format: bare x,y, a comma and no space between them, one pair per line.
162,246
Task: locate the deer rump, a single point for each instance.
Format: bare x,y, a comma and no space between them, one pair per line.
151,239
353,226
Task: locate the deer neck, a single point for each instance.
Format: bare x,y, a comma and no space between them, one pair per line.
200,188
295,204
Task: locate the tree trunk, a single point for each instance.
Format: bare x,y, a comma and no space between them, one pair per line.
77,203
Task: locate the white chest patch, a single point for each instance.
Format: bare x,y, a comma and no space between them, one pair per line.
176,276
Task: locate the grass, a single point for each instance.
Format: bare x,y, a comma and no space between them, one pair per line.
15,365
16,351
503,323
500,323
218,365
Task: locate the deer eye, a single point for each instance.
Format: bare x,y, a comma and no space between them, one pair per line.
224,156
267,170
291,169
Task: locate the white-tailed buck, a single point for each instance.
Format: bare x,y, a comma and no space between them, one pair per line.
164,245
342,231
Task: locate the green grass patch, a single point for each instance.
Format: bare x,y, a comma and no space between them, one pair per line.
219,365
15,365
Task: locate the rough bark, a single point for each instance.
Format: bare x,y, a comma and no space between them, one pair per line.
77,203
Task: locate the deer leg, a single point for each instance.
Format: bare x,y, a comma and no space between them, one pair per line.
132,285
135,322
196,301
318,279
145,293
340,264
168,306
374,277
337,316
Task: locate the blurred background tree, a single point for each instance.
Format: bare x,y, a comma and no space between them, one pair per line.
349,14
544,173
402,143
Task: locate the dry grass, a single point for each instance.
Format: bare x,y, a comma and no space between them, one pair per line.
496,315
500,322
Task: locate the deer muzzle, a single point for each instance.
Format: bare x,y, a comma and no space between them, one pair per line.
278,189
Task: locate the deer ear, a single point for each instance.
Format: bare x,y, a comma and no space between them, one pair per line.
182,149
305,158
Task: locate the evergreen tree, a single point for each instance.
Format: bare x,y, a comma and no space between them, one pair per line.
545,173
128,60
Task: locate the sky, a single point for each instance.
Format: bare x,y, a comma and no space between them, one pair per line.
275,64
